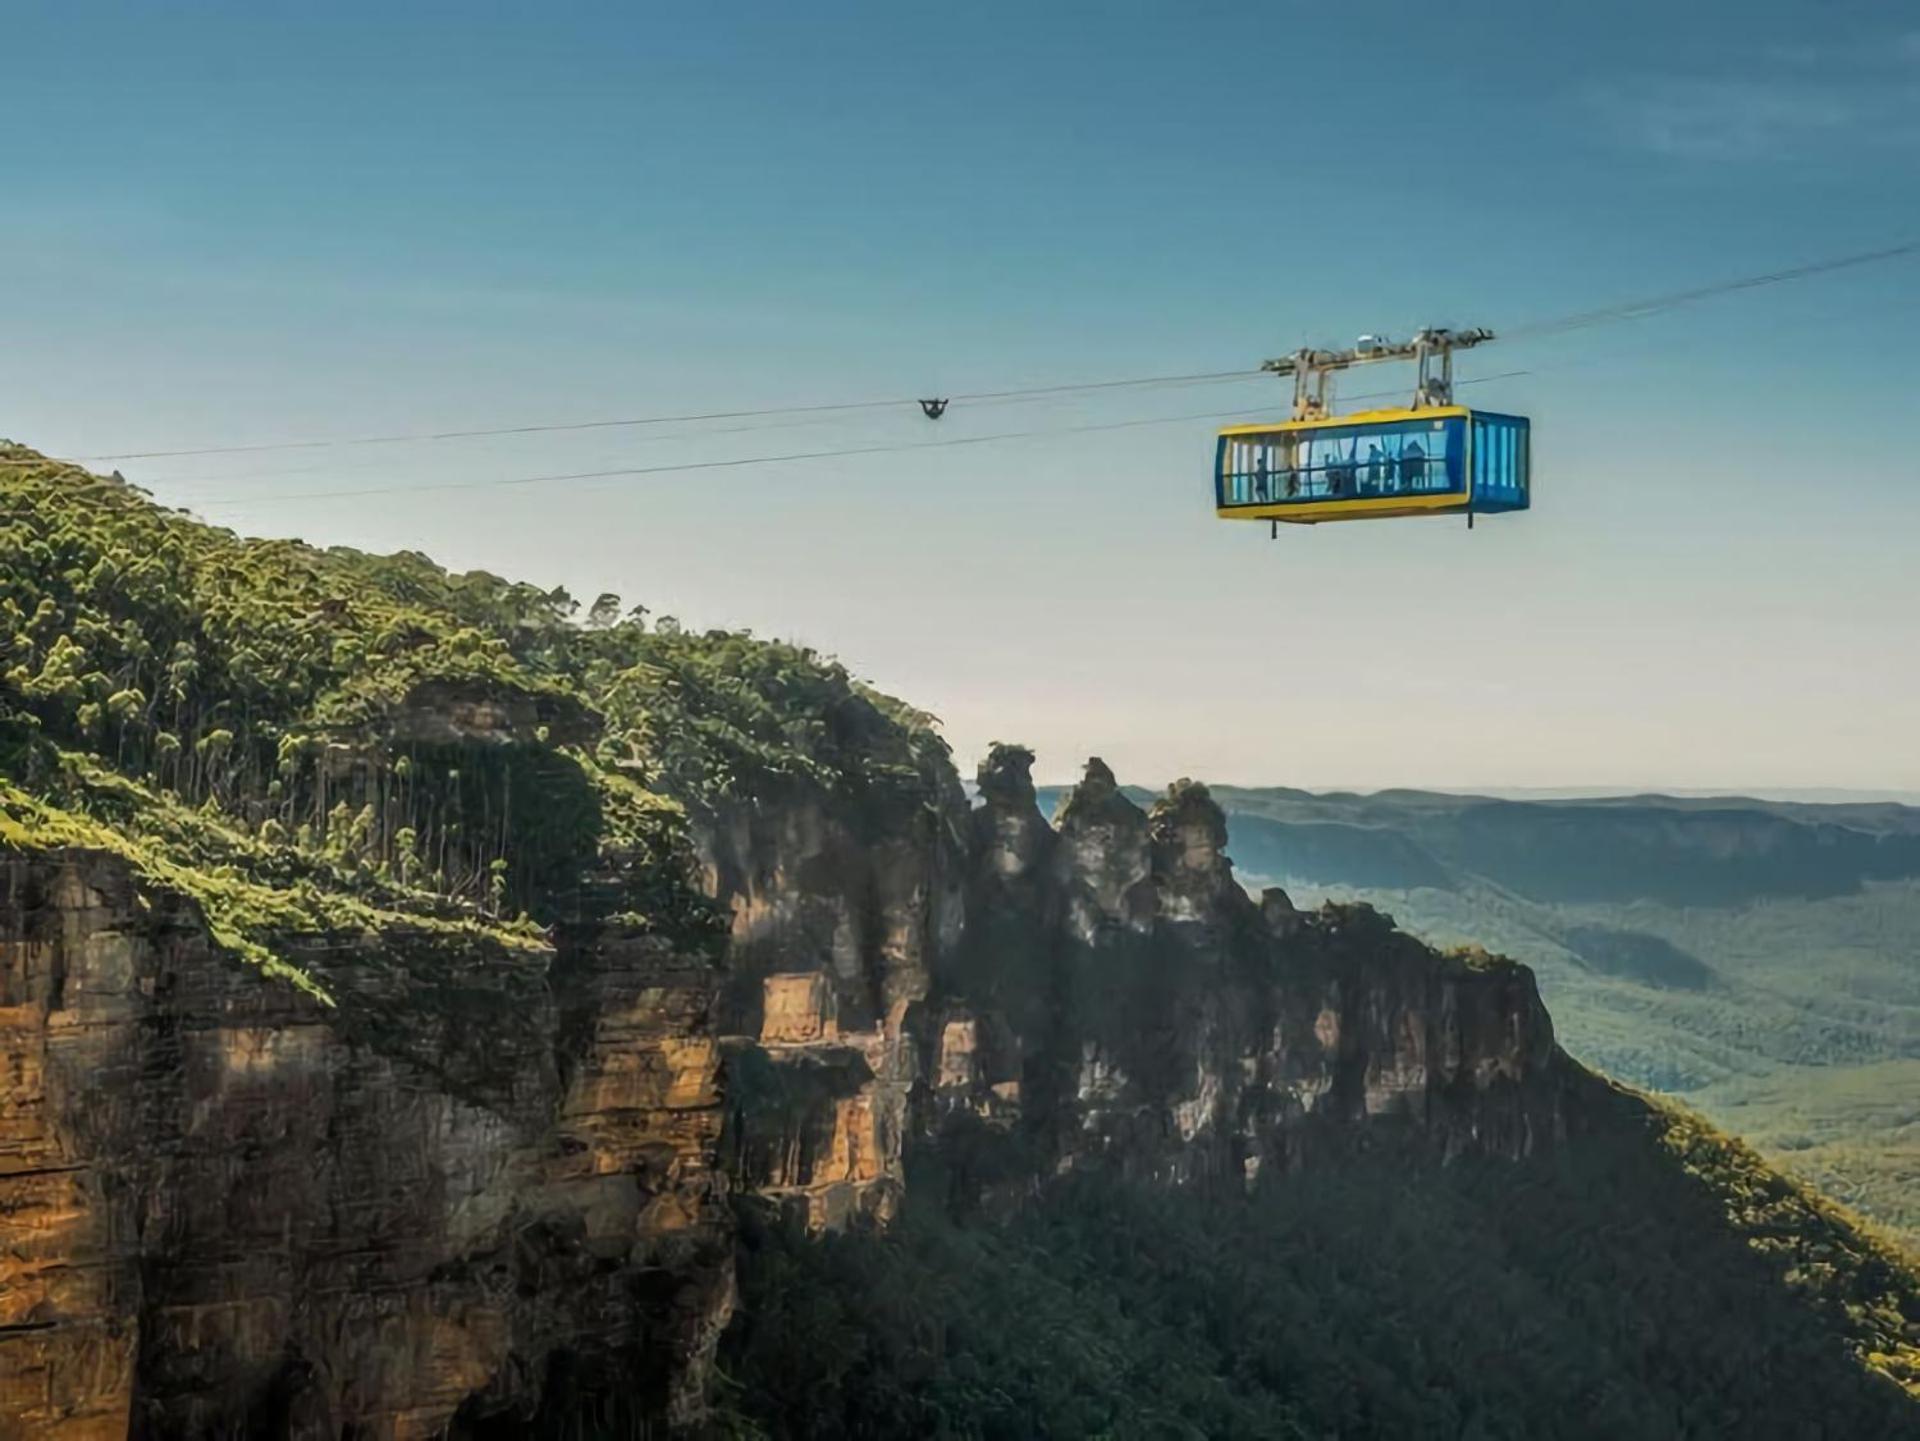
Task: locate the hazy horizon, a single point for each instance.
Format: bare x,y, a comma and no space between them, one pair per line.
1804,795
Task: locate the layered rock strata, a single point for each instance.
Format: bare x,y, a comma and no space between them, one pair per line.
499,1201
1021,998
224,1211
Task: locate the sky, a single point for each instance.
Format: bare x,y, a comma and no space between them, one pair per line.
237,224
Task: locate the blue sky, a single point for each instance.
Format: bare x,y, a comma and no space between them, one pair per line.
239,223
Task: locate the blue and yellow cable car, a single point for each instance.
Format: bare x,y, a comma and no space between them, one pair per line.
1430,458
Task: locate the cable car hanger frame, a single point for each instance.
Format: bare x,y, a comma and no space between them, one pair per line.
1313,370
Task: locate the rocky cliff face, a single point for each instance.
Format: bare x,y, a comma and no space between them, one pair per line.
840,918
1102,992
228,1209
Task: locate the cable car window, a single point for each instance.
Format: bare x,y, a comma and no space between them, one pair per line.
1500,461
1389,458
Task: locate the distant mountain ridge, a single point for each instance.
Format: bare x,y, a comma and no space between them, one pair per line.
1679,849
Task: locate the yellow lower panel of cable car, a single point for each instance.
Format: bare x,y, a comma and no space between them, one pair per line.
1313,512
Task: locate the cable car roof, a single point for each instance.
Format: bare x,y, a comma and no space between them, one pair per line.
1394,415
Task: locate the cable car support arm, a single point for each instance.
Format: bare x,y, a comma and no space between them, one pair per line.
1431,349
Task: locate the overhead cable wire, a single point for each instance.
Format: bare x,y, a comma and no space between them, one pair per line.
324,468
734,462
895,403
1653,305
1627,310
731,463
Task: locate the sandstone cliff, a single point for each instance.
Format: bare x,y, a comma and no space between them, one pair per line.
226,1209
229,1208
1024,999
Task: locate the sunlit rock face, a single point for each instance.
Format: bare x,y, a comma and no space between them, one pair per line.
222,1214
226,1209
838,911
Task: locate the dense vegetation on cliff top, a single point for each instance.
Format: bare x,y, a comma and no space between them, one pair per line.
310,740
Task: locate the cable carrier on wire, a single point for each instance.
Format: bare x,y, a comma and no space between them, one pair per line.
1431,457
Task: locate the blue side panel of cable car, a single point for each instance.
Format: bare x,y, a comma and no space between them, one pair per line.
1502,462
